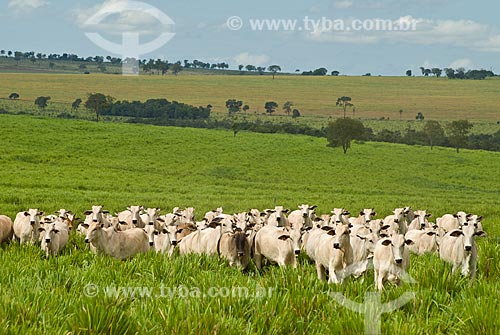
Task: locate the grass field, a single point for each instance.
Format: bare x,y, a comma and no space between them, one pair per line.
49,163
374,97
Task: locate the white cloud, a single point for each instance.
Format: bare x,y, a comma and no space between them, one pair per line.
246,58
466,63
458,33
119,20
343,4
23,5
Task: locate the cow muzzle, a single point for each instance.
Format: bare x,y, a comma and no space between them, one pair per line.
174,243
240,254
399,261
151,244
468,247
87,240
297,252
336,245
47,240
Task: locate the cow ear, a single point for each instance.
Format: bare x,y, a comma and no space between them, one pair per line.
361,237
409,242
326,228
456,233
285,211
331,232
386,242
283,237
385,227
179,231
41,229
383,235
85,225
430,233
428,215
455,215
26,214
122,222
160,219
40,213
361,213
479,218
313,207
105,212
374,213
480,233
56,231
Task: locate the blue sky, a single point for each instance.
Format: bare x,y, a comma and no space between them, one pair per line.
449,33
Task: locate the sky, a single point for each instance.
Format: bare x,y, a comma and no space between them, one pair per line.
305,34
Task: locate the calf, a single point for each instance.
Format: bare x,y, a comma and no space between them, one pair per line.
459,248
390,259
334,252
55,236
235,248
26,226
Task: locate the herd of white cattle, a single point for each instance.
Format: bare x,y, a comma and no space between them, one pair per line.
339,244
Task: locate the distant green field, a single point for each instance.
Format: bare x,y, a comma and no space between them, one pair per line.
374,97
50,163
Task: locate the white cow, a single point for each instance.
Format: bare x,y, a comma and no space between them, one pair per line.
163,239
302,217
6,230
311,238
390,259
209,216
277,217
420,220
459,248
186,215
274,244
235,248
334,253
131,217
364,218
55,236
150,216
203,241
339,216
425,240
398,222
363,242
26,226
118,244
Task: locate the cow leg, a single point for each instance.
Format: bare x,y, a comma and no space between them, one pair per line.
320,270
258,260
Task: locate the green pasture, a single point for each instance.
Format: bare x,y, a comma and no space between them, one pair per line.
374,97
73,164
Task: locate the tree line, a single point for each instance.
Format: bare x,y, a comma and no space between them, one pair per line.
459,73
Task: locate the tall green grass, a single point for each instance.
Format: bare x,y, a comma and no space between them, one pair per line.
50,164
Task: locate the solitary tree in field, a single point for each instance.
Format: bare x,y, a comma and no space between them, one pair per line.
76,104
240,67
341,132
344,103
42,102
274,69
401,114
335,73
295,113
408,73
98,102
246,108
420,116
287,107
270,107
458,133
434,132
233,106
14,96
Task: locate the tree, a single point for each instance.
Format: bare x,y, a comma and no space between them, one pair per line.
274,69
98,102
344,102
408,73
233,106
241,67
458,132
420,116
287,107
401,114
52,65
270,107
14,96
434,132
342,131
42,102
76,104
427,72
335,73
176,68
320,72
246,108
250,67
295,113
436,71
